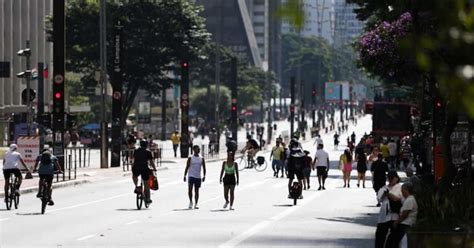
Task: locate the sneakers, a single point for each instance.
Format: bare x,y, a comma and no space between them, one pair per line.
51,202
190,205
319,188
225,205
231,208
196,207
324,188
378,204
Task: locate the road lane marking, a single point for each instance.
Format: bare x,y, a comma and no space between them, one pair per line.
85,237
263,224
89,203
132,222
4,219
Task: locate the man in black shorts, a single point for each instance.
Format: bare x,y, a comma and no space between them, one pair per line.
321,163
295,163
141,158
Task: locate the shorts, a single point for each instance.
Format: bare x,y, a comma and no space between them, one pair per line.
194,181
47,177
347,167
321,170
307,172
229,180
8,172
144,172
277,164
295,170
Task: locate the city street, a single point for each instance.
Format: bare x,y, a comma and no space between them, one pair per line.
103,213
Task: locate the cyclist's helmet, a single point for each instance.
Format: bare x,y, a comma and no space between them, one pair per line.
143,143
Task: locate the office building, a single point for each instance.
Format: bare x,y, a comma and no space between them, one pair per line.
347,27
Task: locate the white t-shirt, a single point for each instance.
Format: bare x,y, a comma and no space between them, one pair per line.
385,213
12,160
410,204
321,157
392,149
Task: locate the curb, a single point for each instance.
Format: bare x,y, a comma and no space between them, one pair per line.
55,186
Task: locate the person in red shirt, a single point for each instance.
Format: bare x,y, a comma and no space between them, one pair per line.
307,170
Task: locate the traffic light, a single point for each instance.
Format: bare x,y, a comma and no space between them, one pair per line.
58,103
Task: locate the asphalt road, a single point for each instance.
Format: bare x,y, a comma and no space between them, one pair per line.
103,213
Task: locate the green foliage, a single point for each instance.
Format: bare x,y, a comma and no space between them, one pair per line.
445,211
292,10
203,101
157,36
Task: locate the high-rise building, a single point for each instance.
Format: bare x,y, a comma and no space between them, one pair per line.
319,20
22,21
259,14
347,27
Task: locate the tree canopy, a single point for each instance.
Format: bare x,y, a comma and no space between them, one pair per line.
157,36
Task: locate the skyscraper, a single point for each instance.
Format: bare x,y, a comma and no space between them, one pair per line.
347,27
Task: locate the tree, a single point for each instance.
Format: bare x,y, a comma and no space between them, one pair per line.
203,103
157,36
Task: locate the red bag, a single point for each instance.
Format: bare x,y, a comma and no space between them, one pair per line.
153,182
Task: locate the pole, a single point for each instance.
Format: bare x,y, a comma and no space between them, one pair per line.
341,102
59,67
103,80
28,88
234,96
163,114
117,122
218,71
41,101
292,106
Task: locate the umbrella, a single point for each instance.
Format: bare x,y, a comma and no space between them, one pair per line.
91,126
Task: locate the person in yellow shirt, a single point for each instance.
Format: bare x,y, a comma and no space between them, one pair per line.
384,150
175,139
277,162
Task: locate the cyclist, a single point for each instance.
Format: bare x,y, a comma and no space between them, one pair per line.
141,158
47,162
295,162
10,166
251,147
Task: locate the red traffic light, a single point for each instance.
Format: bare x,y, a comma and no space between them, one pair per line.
184,64
234,108
57,95
439,104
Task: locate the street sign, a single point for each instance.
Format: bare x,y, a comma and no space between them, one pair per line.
29,147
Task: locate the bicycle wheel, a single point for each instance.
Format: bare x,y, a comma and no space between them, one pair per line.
242,163
139,200
261,167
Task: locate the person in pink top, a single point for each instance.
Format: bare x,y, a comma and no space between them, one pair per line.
346,166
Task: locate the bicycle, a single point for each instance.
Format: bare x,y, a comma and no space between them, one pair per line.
259,165
141,197
12,197
44,195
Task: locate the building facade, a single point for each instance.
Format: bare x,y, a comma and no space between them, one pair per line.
319,20
347,27
22,21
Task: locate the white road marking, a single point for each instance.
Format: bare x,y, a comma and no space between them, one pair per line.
85,237
131,222
263,224
4,219
89,203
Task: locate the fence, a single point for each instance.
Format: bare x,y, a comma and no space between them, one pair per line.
209,151
127,157
74,157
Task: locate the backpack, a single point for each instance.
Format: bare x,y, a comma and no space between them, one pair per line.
46,158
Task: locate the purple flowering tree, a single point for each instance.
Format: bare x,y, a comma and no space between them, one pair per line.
380,52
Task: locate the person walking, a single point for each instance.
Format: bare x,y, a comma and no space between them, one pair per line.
276,153
336,141
321,162
379,171
194,165
175,140
346,166
284,161
361,167
373,156
230,177
308,161
405,154
353,137
390,197
407,218
392,154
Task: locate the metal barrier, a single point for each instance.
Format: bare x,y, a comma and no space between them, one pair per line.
209,151
127,157
80,156
69,170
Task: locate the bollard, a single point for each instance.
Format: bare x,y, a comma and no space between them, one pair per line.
69,166
80,157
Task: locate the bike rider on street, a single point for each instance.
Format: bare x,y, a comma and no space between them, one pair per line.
10,166
295,162
47,162
141,158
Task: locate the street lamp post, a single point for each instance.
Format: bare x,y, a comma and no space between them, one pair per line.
27,75
103,80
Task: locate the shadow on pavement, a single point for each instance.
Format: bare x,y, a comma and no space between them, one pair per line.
365,220
183,209
283,205
130,209
297,241
219,210
28,214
